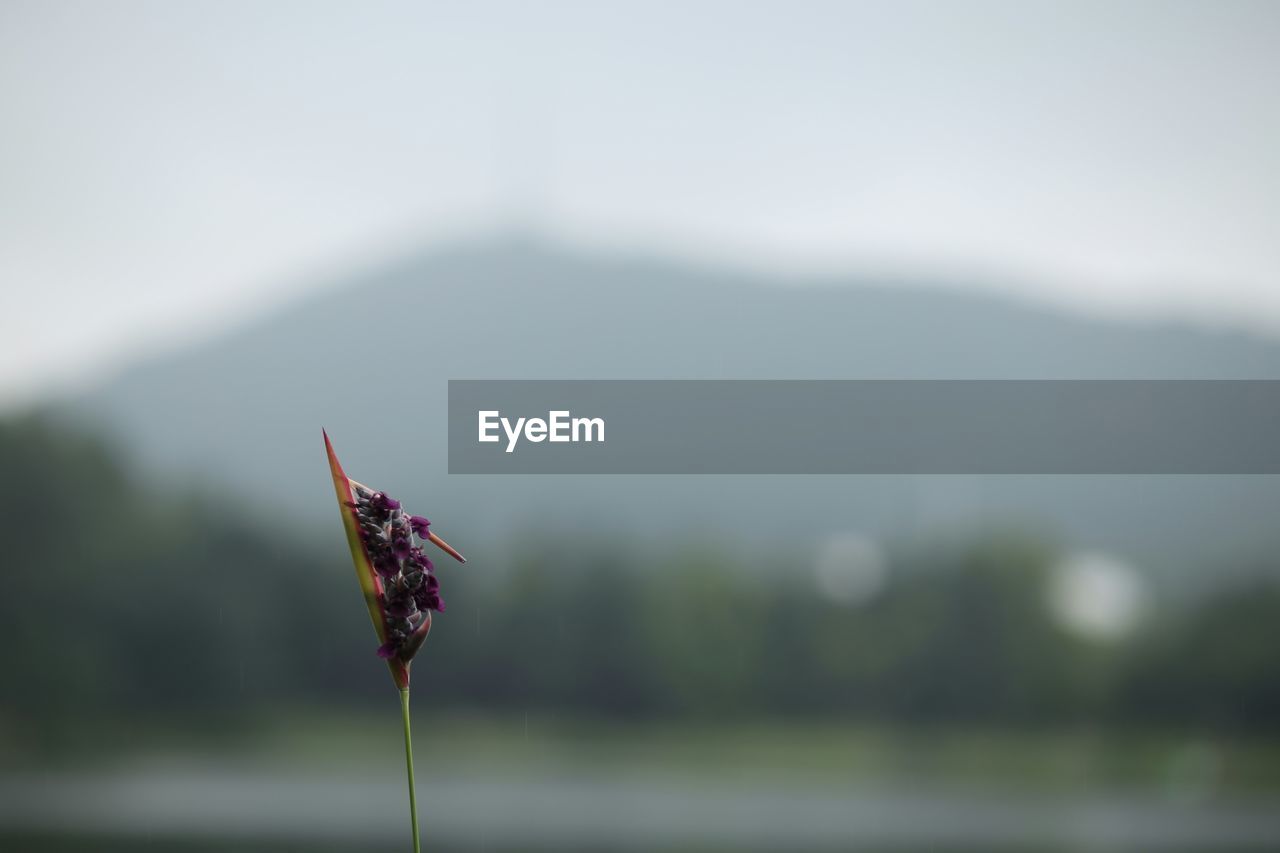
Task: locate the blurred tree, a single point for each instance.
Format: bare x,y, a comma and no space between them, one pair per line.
1215,665
122,599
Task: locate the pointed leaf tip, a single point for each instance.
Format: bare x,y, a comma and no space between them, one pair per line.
446,547
334,465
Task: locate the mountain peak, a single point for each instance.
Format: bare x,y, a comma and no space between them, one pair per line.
370,359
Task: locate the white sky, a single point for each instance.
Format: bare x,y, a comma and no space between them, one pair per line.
169,168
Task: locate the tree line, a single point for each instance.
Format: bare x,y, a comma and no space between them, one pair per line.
125,600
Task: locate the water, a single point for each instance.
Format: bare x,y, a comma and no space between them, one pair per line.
203,809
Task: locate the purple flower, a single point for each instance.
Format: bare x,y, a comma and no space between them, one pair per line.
394,574
386,565
427,596
419,560
402,606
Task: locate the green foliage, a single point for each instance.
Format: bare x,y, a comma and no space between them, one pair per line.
124,600
120,599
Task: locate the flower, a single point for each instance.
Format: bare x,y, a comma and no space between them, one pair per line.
399,584
401,604
427,596
419,560
383,503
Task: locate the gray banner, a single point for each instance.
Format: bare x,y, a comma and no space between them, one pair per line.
863,427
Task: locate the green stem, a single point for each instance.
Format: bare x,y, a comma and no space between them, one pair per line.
408,762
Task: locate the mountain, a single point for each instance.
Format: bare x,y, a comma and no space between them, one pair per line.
368,358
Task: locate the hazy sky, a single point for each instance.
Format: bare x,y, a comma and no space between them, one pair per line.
168,168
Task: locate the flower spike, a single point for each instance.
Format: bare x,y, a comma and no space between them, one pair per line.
399,587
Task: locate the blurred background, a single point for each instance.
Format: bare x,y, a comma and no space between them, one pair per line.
226,225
